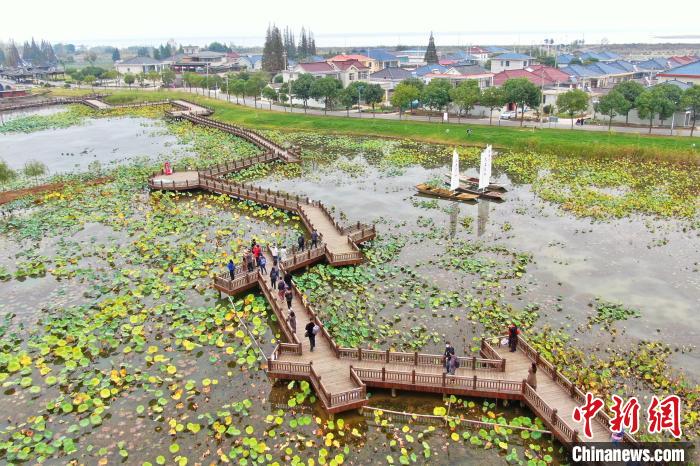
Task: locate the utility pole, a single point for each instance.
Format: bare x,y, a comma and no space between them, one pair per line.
208,88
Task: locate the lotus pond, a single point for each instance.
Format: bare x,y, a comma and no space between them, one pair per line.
113,348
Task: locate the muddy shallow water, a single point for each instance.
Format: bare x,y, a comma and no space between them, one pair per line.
109,141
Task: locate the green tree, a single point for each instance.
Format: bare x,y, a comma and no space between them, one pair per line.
373,94
691,101
465,96
348,97
253,88
34,169
153,76
238,89
492,97
436,94
301,88
141,78
630,90
655,101
614,103
168,77
431,55
415,82
6,173
326,89
116,56
273,50
573,102
270,94
111,75
90,80
521,92
403,96
129,79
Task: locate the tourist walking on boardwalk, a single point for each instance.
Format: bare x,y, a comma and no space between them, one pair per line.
314,238
301,241
311,331
513,337
283,253
231,268
292,321
257,251
262,262
281,286
288,279
274,274
453,364
449,351
532,376
251,261
275,254
289,295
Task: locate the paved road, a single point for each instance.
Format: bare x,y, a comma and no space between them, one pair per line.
563,124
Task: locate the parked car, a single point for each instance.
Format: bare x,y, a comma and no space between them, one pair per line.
508,115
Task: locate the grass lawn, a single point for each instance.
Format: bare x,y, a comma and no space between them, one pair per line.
559,141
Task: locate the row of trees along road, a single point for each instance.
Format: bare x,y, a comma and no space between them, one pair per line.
661,101
439,93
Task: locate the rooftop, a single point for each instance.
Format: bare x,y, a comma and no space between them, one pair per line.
140,61
691,70
513,56
391,74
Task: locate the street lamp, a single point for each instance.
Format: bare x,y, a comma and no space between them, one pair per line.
359,100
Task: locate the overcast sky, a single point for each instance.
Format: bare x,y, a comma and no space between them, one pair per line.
358,22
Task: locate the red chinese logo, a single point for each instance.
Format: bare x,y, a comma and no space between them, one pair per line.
665,415
625,415
587,412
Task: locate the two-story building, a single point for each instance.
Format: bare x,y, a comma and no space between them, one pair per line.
510,61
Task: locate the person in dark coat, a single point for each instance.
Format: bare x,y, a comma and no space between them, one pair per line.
288,279
310,334
281,285
314,239
251,262
513,337
449,352
274,274
262,262
301,241
231,268
289,295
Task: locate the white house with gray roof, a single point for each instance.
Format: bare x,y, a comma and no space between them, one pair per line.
138,65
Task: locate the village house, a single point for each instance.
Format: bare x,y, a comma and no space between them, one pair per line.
457,74
389,78
384,58
368,62
138,65
510,61
344,71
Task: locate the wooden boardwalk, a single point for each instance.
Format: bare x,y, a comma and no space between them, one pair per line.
340,376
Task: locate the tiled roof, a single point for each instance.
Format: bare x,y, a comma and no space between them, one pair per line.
344,65
349,57
565,58
691,70
512,56
553,74
381,55
470,69
317,67
653,64
534,78
140,61
391,73
423,70
682,85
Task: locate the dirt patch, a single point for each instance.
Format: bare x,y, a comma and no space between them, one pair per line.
9,196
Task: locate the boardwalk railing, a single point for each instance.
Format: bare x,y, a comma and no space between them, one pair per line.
247,192
44,102
415,380
302,258
240,282
561,380
418,359
345,258
549,415
241,164
289,333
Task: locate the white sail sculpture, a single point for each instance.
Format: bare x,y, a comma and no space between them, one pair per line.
485,168
454,179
